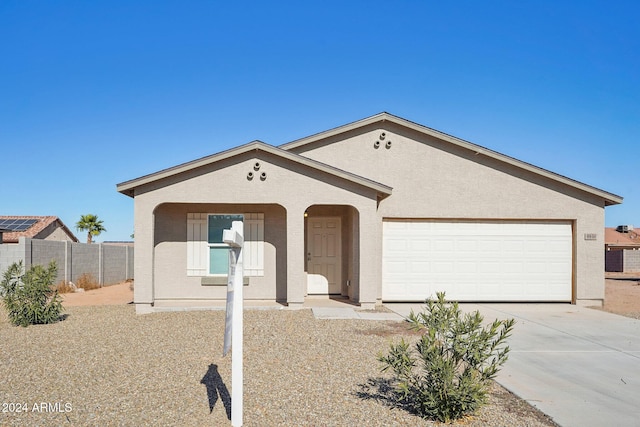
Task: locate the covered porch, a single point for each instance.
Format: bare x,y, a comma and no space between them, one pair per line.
303,224
308,255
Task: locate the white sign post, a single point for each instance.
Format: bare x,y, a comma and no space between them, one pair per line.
233,325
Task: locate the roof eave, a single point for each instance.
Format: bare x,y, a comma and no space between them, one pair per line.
128,187
609,198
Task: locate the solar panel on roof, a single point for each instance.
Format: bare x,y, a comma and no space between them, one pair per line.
17,224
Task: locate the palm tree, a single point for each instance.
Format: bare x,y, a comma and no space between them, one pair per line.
91,224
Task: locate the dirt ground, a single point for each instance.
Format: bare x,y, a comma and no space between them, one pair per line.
622,295
121,293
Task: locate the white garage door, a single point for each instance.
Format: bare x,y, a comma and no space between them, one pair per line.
476,260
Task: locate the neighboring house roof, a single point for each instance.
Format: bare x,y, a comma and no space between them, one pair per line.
609,198
128,187
16,226
615,238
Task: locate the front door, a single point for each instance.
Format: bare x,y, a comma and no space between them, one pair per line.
324,255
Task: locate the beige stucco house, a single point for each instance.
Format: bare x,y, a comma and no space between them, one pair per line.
382,209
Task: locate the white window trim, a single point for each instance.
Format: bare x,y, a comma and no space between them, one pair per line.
198,245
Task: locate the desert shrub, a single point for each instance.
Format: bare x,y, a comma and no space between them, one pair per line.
87,282
29,297
446,374
64,288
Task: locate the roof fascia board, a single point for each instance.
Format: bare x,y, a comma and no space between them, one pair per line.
610,198
128,187
380,188
336,131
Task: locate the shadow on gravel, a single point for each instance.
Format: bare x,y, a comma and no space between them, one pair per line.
216,388
382,391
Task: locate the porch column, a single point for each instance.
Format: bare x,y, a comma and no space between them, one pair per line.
143,264
295,257
370,286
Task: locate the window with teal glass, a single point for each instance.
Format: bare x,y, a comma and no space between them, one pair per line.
218,250
218,260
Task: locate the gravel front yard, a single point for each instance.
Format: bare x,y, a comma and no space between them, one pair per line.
103,365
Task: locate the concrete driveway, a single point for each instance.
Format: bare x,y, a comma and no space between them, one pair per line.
578,365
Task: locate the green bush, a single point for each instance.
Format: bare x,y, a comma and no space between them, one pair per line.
30,297
446,374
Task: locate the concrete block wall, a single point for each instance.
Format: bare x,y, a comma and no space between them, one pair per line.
10,254
631,261
113,260
45,251
626,260
85,260
107,264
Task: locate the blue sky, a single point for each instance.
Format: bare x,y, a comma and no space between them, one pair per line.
96,93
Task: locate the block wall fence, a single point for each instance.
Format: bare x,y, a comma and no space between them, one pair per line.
626,260
108,264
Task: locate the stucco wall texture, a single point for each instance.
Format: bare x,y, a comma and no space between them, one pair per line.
293,186
430,179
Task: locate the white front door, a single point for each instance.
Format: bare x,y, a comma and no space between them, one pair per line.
324,255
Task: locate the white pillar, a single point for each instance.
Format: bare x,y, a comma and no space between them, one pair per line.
295,258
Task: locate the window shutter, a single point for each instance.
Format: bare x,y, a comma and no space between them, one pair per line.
253,249
197,248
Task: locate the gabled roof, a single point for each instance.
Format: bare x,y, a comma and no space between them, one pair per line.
39,224
614,238
128,187
609,198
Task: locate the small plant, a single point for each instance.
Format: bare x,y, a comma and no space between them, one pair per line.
87,282
446,374
64,288
29,297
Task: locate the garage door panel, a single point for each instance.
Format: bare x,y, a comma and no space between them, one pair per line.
513,268
396,267
396,245
513,245
487,268
486,245
443,245
477,261
467,267
440,267
419,267
420,245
